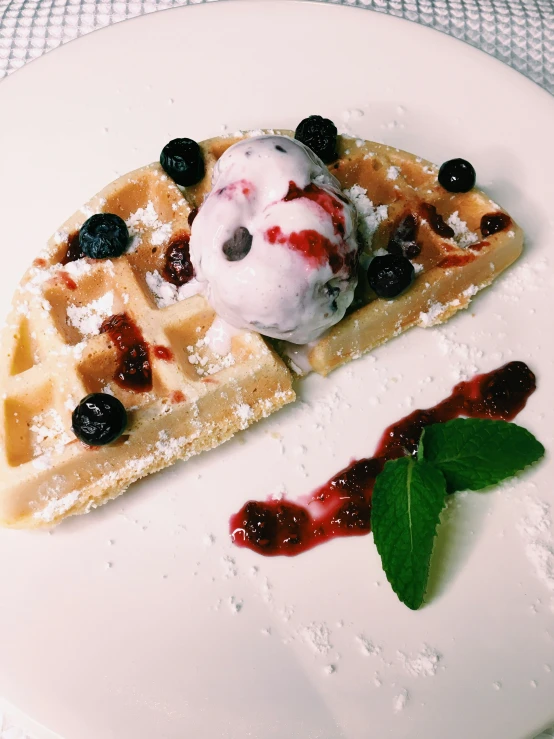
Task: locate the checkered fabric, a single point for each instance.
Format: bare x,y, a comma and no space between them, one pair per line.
518,32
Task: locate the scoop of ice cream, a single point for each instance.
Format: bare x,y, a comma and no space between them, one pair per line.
275,241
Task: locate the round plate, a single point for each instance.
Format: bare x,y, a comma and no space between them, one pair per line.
141,619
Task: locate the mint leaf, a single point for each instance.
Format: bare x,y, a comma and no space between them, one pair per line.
407,500
473,453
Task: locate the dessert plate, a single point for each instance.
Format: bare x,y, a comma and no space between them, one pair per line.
142,619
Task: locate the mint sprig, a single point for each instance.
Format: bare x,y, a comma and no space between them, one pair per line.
475,453
410,493
407,500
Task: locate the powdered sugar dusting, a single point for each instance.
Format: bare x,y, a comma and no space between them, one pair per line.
219,336
369,215
436,310
523,278
79,268
317,636
368,648
167,294
400,701
48,433
56,507
205,360
88,319
432,315
465,358
425,663
244,413
536,530
462,235
143,219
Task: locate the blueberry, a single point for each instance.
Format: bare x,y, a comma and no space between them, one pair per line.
238,246
99,419
457,175
103,235
390,275
320,135
183,161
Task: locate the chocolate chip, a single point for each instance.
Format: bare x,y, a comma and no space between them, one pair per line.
238,246
332,292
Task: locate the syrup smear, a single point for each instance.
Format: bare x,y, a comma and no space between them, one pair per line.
342,506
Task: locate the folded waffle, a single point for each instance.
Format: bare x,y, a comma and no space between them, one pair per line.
74,327
458,243
203,383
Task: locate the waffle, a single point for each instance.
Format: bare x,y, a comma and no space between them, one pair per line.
55,355
390,184
198,398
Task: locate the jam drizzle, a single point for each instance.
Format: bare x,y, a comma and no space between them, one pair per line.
134,371
244,187
331,205
456,260
404,238
68,281
436,221
492,223
163,353
314,246
342,506
178,269
74,251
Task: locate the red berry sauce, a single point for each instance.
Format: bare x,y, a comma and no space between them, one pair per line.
492,223
456,260
342,506
240,186
479,245
330,204
178,269
436,221
316,248
134,371
68,281
163,352
74,251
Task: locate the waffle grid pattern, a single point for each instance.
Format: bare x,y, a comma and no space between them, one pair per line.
518,32
455,255
208,395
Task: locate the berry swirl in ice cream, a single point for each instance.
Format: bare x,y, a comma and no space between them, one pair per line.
275,241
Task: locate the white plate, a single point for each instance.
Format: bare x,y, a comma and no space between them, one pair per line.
121,623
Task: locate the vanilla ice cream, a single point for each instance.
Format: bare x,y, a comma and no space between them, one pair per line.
275,241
